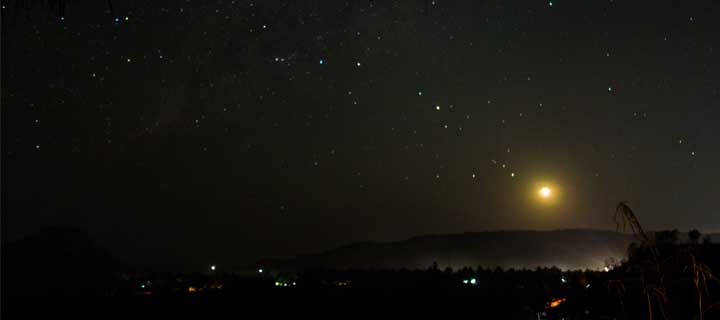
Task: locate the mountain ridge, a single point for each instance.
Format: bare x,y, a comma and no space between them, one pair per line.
577,248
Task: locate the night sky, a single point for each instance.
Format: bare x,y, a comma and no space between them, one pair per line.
180,133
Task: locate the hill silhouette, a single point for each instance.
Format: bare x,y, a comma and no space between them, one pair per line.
565,249
57,261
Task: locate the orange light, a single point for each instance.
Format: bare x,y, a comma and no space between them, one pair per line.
556,302
192,289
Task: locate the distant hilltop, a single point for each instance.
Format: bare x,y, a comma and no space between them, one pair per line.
566,249
58,261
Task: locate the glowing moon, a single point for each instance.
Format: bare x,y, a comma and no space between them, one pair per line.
545,192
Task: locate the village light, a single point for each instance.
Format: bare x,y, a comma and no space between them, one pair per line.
556,302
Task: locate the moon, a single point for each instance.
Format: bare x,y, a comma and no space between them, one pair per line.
545,192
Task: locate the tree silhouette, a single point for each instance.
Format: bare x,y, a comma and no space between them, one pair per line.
666,237
694,236
707,239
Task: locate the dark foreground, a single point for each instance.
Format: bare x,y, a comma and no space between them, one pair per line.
292,302
659,280
498,294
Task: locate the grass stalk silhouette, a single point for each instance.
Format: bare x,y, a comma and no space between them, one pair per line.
654,272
